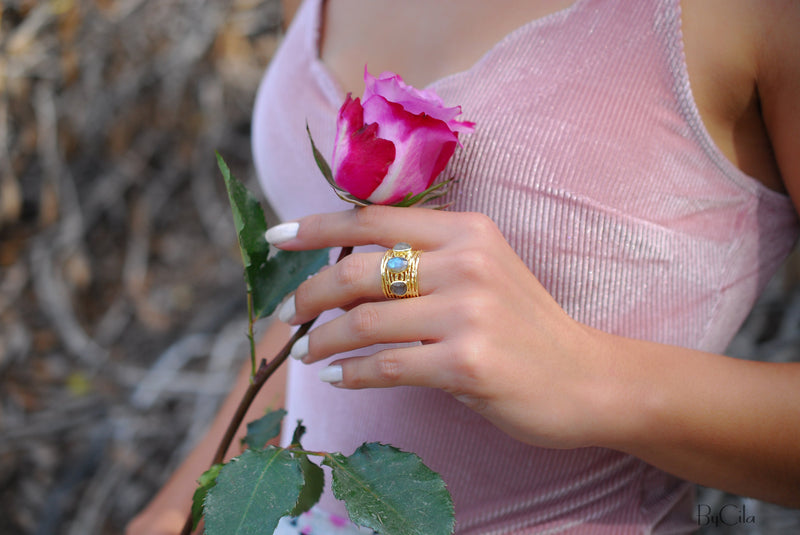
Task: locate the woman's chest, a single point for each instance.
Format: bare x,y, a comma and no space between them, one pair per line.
424,41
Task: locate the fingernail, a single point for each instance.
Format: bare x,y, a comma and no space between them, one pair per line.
300,348
281,233
331,374
287,310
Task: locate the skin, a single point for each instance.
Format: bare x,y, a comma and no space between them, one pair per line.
718,421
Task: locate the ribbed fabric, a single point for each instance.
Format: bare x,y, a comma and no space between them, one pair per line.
591,157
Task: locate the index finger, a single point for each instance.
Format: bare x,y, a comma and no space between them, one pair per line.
423,228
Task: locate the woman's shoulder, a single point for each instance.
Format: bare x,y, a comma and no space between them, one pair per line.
743,58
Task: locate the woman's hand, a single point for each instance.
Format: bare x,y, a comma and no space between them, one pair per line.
491,334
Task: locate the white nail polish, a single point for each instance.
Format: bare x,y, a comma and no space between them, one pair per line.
331,374
287,310
281,233
300,348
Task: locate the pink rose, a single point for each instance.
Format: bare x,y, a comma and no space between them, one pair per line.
392,146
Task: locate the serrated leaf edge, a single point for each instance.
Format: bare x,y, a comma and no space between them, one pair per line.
331,457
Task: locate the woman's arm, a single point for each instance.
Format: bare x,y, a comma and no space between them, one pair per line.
719,421
166,513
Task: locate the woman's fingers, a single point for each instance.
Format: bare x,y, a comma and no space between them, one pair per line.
423,228
410,366
407,320
355,279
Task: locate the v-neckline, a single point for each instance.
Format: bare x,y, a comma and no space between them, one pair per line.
337,93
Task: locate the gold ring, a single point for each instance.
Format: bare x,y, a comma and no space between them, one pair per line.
399,272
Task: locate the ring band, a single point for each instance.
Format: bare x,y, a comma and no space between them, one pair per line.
399,272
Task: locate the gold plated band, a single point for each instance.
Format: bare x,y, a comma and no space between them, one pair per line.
399,272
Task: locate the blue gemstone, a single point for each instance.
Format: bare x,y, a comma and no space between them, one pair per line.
396,264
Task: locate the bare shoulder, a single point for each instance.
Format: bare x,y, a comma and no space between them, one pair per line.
743,58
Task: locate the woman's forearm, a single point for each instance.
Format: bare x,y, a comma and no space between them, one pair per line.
718,421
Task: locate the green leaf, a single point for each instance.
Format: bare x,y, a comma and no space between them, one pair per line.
313,475
320,159
269,279
299,431
281,275
248,217
206,481
253,492
391,491
314,479
261,431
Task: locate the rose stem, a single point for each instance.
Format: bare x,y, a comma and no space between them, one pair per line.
265,371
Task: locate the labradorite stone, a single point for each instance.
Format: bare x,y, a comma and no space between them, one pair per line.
396,264
401,247
399,288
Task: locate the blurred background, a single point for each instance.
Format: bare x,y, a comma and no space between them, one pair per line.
122,307
122,304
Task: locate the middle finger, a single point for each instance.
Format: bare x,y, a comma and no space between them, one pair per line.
402,321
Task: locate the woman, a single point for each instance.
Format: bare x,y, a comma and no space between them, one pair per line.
627,193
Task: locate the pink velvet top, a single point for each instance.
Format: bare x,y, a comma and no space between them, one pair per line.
591,157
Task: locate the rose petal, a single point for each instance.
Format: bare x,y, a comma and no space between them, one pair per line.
351,118
392,87
360,158
423,146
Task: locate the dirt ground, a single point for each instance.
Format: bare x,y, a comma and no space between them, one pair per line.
122,309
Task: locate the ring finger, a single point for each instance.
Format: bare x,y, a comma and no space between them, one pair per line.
355,279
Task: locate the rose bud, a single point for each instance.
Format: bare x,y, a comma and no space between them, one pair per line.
391,147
